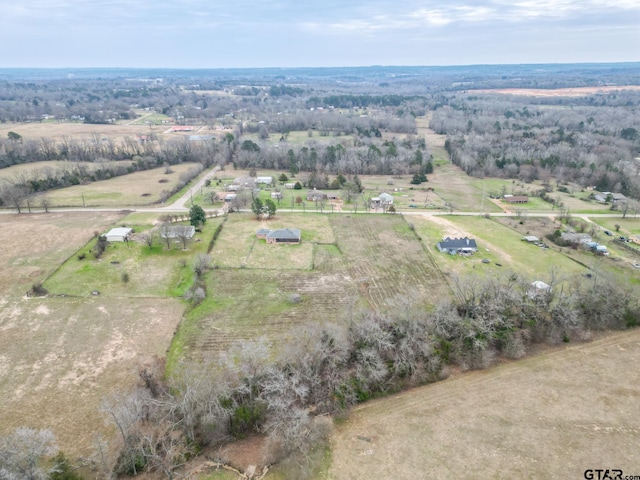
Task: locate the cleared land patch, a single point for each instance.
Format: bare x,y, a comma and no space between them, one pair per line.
496,242
33,246
238,246
376,259
386,260
61,356
548,416
138,188
151,272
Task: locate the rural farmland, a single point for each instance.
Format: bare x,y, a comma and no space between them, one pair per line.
400,272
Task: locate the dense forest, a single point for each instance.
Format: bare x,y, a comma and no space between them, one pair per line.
592,141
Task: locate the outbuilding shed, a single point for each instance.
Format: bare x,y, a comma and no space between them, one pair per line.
120,234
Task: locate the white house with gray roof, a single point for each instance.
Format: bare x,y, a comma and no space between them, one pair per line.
453,246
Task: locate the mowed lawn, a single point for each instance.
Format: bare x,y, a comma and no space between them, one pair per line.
552,415
149,272
497,243
138,188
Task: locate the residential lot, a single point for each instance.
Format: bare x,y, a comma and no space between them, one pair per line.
374,262
61,356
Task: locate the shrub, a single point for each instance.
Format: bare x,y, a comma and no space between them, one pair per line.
37,290
100,246
62,469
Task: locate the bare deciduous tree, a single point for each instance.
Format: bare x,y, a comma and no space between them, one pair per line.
147,238
24,452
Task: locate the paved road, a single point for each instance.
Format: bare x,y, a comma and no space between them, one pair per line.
179,204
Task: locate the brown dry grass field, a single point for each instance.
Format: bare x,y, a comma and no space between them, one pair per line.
60,356
33,246
551,415
134,189
37,169
89,133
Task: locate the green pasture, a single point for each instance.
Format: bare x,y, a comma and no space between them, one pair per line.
499,244
238,247
247,303
152,272
152,119
628,226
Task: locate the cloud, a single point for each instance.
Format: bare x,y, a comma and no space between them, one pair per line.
299,32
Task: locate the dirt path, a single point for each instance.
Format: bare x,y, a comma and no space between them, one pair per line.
548,416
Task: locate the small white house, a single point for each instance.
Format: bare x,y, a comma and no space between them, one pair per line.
264,180
121,234
385,198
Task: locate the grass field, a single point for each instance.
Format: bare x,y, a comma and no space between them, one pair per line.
59,357
375,260
138,188
78,131
496,242
39,169
552,415
33,246
152,272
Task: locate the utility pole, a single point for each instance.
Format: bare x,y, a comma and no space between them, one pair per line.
483,190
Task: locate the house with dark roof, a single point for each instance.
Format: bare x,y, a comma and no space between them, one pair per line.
284,235
516,199
316,195
453,246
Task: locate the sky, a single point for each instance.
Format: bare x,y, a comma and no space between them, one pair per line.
299,33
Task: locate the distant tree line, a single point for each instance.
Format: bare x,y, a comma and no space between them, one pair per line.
593,145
